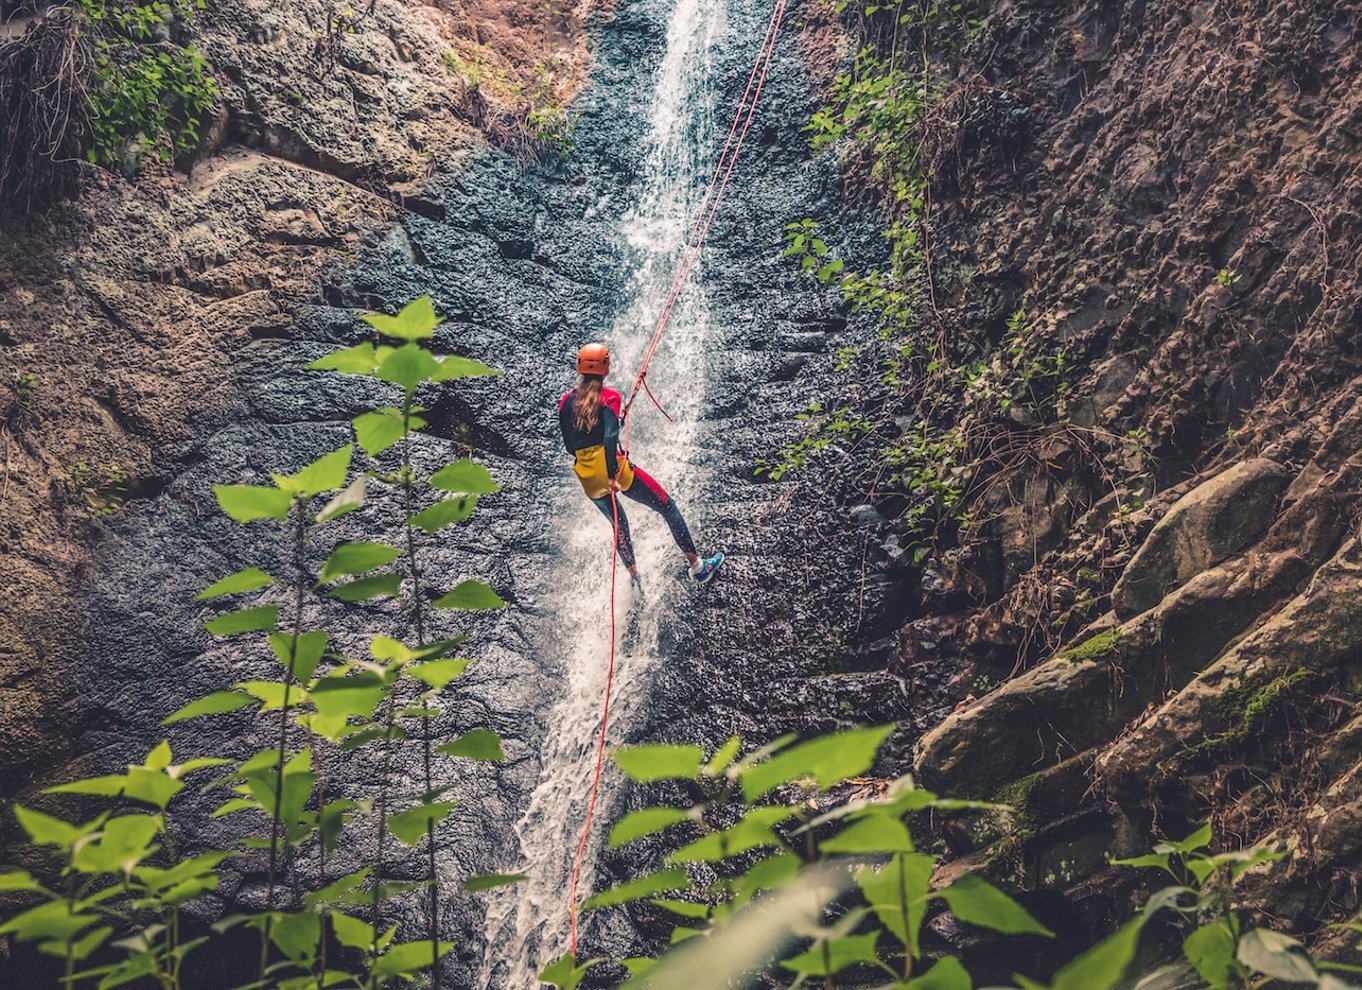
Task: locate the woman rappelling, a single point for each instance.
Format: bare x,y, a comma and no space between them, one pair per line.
589,416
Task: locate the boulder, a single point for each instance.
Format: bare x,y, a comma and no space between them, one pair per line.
1213,521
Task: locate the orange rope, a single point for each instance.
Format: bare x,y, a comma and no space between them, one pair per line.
709,207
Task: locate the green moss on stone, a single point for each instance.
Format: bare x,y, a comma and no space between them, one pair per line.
1097,647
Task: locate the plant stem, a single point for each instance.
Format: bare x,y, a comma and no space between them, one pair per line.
300,588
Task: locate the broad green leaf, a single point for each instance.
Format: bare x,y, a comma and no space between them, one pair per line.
348,694
378,586
45,830
633,890
475,744
835,956
903,881
392,652
19,880
1102,966
436,674
408,366
350,499
488,881
325,474
247,503
1149,860
1199,839
564,972
410,825
408,958
723,756
1276,955
272,694
946,974
343,890
151,786
773,871
244,621
356,558
81,948
828,760
415,321
464,478
51,919
638,965
217,703
357,360
249,579
297,934
377,431
159,757
659,762
879,834
470,596
452,366
351,932
121,845
979,903
443,513
1210,950
303,661
752,831
637,824
332,819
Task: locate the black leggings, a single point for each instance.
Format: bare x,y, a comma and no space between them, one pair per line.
646,491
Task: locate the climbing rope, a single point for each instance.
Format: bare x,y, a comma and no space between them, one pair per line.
709,207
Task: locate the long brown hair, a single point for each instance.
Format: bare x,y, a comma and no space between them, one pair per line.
586,402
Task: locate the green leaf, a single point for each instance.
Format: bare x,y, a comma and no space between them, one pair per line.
470,596
1149,860
310,650
488,881
752,831
436,674
249,579
377,431
464,478
946,974
217,703
416,321
45,830
904,880
877,834
357,360
773,871
408,366
52,919
564,972
1276,955
350,499
453,366
633,890
325,474
686,909
348,694
1102,966
244,621
1210,950
332,819
475,744
356,558
659,762
828,760
121,845
351,932
723,756
410,825
247,503
443,513
19,880
979,903
637,824
297,935
378,586
272,693
1199,839
408,958
840,953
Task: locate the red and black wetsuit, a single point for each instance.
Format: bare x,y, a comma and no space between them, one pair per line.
598,459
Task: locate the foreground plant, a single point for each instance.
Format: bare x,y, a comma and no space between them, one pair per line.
121,886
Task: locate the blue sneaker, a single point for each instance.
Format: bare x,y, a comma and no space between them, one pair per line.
703,571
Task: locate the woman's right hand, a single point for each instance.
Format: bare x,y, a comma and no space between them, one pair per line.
615,486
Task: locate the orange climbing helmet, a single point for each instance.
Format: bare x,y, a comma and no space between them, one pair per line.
593,359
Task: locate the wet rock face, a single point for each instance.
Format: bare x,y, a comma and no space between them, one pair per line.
1174,217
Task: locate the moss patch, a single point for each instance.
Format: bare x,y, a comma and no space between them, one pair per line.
1097,647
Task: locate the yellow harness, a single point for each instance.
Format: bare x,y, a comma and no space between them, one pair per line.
592,473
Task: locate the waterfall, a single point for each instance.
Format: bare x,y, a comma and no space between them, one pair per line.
527,924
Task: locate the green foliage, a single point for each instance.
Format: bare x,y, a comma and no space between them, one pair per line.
117,898
147,95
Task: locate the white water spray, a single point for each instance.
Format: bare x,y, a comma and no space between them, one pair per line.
527,924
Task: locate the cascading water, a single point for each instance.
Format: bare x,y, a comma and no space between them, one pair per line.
528,924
